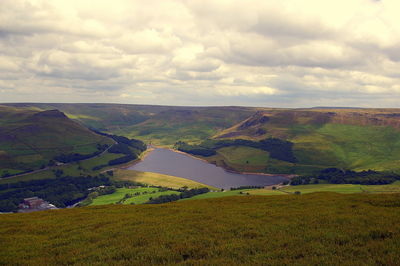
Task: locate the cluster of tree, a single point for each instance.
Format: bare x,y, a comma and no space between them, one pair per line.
246,187
61,191
58,172
339,176
134,143
131,148
120,148
74,157
174,197
194,149
278,149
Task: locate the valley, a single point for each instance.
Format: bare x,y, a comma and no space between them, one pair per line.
243,175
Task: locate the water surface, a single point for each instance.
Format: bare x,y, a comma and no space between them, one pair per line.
168,162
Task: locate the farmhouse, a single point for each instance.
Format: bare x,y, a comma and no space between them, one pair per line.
35,204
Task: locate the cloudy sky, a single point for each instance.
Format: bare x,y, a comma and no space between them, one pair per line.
288,53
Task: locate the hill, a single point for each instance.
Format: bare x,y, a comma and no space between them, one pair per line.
312,229
31,139
162,125
356,139
312,139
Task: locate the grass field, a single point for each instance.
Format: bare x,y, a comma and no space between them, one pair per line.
145,194
304,189
311,229
156,179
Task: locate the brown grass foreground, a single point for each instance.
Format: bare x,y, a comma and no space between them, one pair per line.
318,228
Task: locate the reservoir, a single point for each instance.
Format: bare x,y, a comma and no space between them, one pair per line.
168,162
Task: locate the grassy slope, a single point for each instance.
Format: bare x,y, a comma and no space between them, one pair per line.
156,179
351,139
162,125
139,199
74,169
30,138
312,229
241,158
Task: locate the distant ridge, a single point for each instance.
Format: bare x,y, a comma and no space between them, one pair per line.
333,107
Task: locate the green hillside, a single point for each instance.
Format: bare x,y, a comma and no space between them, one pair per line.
312,229
29,139
356,139
349,139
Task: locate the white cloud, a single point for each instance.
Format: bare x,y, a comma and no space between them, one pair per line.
256,52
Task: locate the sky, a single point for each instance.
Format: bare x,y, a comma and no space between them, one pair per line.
287,53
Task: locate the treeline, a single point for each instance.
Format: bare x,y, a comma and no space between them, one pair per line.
131,148
246,187
194,149
61,191
134,143
174,197
339,176
278,149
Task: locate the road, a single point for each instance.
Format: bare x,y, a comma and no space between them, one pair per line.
50,167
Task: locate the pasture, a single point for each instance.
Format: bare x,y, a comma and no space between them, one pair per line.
143,195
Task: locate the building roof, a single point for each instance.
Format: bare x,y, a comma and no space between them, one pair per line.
32,198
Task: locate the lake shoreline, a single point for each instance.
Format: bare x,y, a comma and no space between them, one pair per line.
288,176
224,169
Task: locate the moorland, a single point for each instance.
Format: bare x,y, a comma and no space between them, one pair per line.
312,229
339,206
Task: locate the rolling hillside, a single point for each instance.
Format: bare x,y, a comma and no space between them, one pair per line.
357,139
349,138
29,139
162,125
312,229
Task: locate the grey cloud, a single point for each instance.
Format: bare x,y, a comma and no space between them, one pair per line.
209,52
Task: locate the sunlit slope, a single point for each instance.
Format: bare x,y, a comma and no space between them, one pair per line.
191,125
312,229
163,125
357,139
30,138
156,179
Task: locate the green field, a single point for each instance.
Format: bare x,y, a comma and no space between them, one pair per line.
244,156
145,194
311,229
